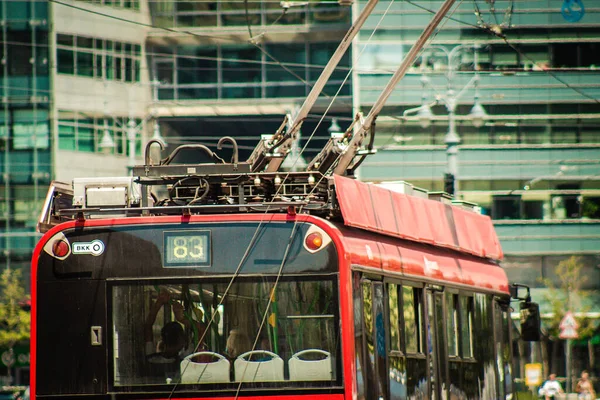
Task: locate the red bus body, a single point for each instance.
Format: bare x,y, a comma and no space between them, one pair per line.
387,240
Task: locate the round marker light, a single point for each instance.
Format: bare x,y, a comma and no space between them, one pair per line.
314,241
60,248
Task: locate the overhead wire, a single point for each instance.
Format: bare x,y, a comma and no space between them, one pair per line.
315,186
280,271
290,240
171,30
276,62
195,35
503,37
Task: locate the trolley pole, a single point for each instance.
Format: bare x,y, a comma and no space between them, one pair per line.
407,62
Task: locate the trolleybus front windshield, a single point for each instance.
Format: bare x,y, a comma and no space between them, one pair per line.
208,332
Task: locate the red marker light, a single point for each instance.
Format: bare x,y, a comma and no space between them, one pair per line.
60,248
314,241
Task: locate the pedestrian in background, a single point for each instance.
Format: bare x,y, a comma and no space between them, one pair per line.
550,388
584,388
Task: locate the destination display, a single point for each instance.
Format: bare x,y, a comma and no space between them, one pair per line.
187,249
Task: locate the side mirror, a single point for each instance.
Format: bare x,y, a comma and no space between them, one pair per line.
520,292
530,321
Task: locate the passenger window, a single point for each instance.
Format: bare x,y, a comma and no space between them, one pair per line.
452,323
394,313
412,310
466,326
216,332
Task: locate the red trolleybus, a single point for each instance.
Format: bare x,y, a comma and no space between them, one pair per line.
237,284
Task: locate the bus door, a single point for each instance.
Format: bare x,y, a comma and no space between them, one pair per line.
503,348
436,344
373,360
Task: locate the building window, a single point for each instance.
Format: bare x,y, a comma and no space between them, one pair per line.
506,207
412,315
466,326
98,58
234,72
80,132
226,13
30,129
452,323
126,4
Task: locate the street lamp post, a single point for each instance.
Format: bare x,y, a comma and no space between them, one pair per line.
133,128
450,100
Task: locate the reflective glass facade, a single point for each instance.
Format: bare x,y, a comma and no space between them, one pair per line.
210,63
83,133
533,162
25,145
204,72
98,58
234,13
540,89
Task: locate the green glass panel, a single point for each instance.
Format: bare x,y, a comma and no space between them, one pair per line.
41,10
535,134
19,55
85,64
235,67
28,136
196,93
17,11
98,66
85,139
286,91
166,93
118,69
66,137
590,134
64,40
294,54
319,55
66,61
129,72
119,139
99,45
136,70
563,134
195,65
235,13
109,69
85,42
241,92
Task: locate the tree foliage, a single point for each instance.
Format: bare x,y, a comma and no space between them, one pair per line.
15,323
568,296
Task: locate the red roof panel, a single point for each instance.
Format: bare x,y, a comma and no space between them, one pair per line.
381,210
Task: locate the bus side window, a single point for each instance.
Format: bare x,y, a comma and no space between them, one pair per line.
452,323
361,370
413,336
397,364
466,326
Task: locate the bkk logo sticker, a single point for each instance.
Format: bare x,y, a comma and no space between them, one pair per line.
95,247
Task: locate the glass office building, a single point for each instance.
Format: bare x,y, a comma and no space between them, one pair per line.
69,78
237,68
25,146
533,163
85,83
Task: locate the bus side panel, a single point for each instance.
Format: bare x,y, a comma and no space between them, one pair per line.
71,354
